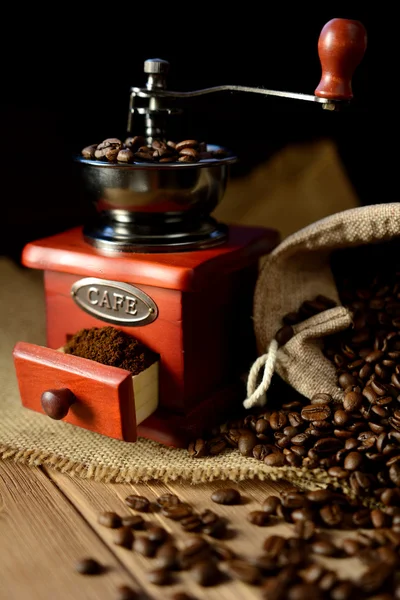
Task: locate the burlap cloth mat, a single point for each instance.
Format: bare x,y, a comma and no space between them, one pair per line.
32,439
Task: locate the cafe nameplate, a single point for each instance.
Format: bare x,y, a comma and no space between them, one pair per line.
114,302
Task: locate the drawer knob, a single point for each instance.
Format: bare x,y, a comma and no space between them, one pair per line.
56,403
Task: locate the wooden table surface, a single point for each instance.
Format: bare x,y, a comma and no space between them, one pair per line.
49,520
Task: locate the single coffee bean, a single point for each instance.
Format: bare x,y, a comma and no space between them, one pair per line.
324,548
304,591
198,448
144,546
192,523
125,155
226,496
304,529
374,578
133,521
205,573
352,402
88,566
346,380
353,461
394,474
177,512
313,573
166,556
262,426
378,518
157,534
262,450
223,553
139,503
186,144
302,514
295,419
258,517
109,519
123,537
316,412
327,445
168,500
243,571
181,596
159,576
89,151
320,496
216,529
273,546
270,505
284,334
321,398
208,517
293,500
341,417
331,514
275,459
300,439
351,546
278,420
343,591
216,446
246,443
362,518
124,592
338,472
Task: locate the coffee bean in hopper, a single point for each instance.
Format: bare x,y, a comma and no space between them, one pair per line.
226,496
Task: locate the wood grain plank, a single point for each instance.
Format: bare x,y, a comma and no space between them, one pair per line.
41,538
246,539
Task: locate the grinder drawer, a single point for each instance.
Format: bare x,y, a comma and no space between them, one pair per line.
104,399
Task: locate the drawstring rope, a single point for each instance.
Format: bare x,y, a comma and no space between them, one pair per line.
256,396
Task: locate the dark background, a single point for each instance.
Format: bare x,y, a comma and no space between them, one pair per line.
66,81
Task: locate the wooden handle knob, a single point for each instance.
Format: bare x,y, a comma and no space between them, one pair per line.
56,403
341,46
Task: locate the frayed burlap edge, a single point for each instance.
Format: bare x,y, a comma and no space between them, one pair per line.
306,479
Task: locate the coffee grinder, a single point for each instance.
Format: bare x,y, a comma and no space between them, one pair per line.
156,265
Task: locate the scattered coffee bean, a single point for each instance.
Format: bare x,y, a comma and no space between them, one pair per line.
109,519
157,534
270,505
133,521
168,500
139,503
177,512
159,576
226,496
88,566
124,592
259,517
243,571
144,546
205,573
123,537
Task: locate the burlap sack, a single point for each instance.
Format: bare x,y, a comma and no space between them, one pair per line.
297,270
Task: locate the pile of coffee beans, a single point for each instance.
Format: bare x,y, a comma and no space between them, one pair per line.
135,149
284,567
